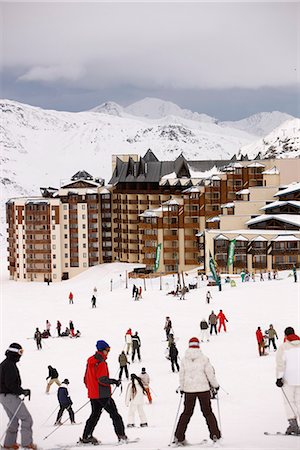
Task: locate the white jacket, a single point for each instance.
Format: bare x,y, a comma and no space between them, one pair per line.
196,373
288,362
128,338
145,379
139,397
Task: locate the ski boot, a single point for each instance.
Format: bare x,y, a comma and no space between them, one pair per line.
293,427
89,440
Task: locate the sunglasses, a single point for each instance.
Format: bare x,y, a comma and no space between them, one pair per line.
20,351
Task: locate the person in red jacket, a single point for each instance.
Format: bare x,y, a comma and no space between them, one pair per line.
222,320
71,296
98,384
260,341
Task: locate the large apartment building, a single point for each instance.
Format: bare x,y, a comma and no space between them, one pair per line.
148,204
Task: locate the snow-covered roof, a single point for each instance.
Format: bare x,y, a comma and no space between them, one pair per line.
255,164
287,238
273,171
292,219
282,203
169,176
213,219
105,191
241,238
37,202
259,239
191,190
149,213
221,237
243,191
200,234
172,201
294,187
228,205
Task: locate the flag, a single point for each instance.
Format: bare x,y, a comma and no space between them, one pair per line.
157,257
231,252
213,269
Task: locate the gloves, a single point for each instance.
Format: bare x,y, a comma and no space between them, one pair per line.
116,382
214,391
279,382
27,393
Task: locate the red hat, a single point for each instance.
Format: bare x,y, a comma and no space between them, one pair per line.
194,343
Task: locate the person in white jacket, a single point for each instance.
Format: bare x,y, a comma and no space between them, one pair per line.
134,398
288,377
196,378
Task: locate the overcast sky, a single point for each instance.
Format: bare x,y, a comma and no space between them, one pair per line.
228,60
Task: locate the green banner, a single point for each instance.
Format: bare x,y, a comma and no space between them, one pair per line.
157,257
213,269
231,252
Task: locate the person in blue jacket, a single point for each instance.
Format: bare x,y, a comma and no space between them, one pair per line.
65,402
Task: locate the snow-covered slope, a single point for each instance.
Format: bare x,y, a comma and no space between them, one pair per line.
283,142
260,124
249,401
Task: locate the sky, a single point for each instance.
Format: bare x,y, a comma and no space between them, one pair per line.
226,59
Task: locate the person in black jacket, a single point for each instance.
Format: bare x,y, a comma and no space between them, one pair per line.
173,353
10,390
53,375
65,402
38,339
136,344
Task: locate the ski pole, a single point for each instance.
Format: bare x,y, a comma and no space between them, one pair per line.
219,415
224,390
12,419
58,426
176,419
289,403
50,415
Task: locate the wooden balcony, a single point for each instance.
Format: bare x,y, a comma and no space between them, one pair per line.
171,237
191,225
45,270
191,262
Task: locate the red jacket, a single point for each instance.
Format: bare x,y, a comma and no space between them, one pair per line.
96,377
259,336
221,316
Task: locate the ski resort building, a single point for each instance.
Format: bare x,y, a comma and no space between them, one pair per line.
167,215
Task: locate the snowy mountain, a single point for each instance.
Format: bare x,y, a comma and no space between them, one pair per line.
260,124
283,142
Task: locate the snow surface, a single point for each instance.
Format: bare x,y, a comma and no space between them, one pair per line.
250,403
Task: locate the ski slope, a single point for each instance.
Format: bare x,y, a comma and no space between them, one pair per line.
250,403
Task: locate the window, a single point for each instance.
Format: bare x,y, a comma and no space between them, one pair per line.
54,256
65,236
54,266
53,247
65,207
66,255
83,206
66,265
65,227
66,245
84,264
53,237
84,245
83,225
84,255
65,217
83,216
53,227
54,275
84,236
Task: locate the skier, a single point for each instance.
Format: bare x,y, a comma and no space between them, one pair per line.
10,390
146,382
71,326
168,326
243,274
204,330
77,334
71,298
136,345
38,339
261,277
136,294
173,354
134,398
128,341
208,297
98,384
123,361
58,327
222,319
269,276
272,335
66,332
212,320
94,301
134,288
171,340
288,377
52,377
48,327
295,273
65,402
260,342
196,377
140,292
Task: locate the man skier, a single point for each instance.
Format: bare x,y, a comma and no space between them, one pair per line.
65,402
98,384
288,377
222,319
196,378
38,339
10,390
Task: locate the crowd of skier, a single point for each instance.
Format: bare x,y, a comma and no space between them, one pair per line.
197,380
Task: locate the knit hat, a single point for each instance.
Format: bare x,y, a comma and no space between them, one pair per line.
66,381
102,345
194,343
289,330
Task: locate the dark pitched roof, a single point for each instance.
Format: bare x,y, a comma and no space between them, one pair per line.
81,174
